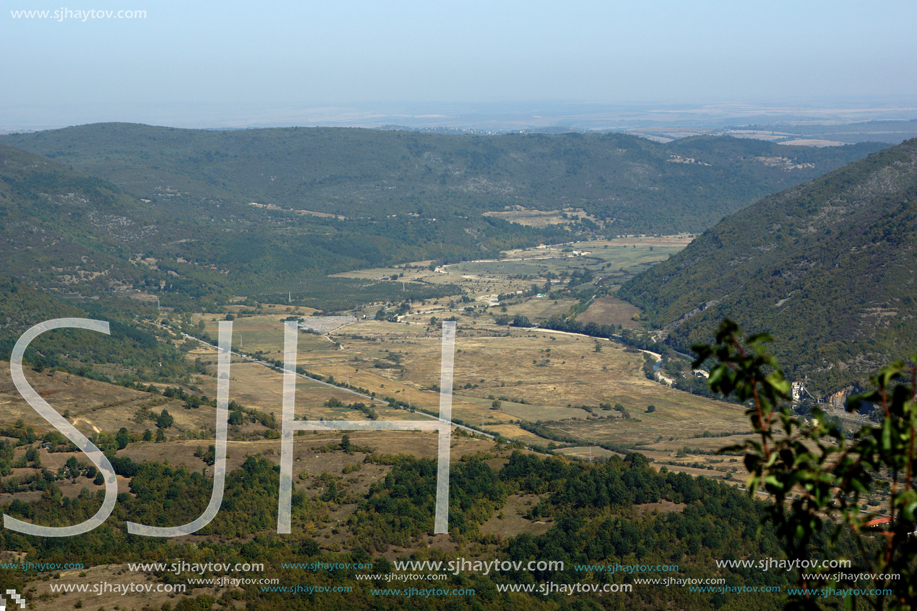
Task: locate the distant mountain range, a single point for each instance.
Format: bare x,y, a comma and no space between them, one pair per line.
627,184
185,215
828,267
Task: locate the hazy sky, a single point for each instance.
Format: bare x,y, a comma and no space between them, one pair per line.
219,59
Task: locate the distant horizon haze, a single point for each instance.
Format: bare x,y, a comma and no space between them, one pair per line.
484,118
517,64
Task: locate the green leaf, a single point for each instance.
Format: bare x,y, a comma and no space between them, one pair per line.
886,442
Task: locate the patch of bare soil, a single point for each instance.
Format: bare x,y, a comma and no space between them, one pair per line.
661,507
513,522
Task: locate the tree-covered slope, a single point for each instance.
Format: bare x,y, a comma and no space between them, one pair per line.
827,267
75,235
130,353
620,523
630,185
66,231
83,237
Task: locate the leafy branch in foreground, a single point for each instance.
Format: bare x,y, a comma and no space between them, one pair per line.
818,478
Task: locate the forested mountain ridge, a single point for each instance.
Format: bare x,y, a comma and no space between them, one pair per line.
75,235
64,230
130,351
827,267
630,185
83,237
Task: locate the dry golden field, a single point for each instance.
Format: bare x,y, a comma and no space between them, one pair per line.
611,311
502,375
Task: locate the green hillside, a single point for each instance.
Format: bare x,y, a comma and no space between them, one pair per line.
613,528
827,267
628,184
82,237
130,353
